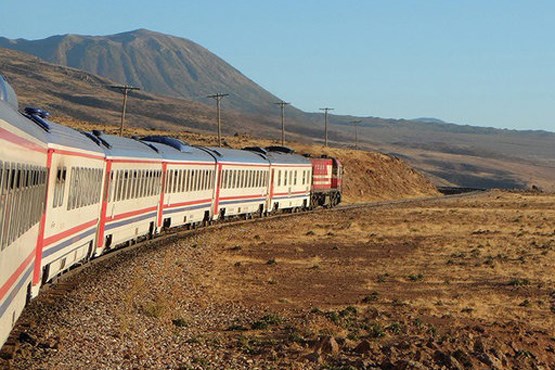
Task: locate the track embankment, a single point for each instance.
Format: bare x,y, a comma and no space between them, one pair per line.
451,282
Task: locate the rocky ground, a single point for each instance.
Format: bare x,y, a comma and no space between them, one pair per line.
456,283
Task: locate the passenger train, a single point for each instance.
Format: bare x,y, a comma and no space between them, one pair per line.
68,196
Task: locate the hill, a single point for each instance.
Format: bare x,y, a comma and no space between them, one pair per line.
448,153
157,63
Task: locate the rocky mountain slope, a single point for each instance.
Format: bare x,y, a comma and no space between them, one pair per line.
157,63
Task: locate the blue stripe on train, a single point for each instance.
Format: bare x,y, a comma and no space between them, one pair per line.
291,197
15,290
187,208
243,201
68,242
130,221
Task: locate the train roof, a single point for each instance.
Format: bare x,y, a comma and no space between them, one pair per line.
176,150
7,94
117,146
285,157
62,135
17,120
9,113
225,155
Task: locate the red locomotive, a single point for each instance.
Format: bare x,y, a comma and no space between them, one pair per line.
327,175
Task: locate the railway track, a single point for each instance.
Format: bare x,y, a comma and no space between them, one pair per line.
67,282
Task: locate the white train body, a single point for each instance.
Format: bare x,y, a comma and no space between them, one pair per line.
190,176
76,174
23,174
291,180
242,184
131,192
68,196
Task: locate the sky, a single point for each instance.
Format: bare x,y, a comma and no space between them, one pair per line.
484,63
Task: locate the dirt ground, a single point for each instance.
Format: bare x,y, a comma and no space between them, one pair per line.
451,283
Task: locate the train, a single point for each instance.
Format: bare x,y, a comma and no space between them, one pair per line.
69,196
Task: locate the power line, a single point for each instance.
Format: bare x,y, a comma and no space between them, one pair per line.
218,97
355,124
282,104
326,124
123,89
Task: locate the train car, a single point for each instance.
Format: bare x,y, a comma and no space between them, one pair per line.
291,176
327,177
189,188
131,192
23,178
243,179
76,170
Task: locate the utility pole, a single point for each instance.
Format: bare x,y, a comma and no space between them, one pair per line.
282,104
326,124
218,97
124,89
355,124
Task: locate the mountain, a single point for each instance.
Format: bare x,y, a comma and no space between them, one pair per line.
157,63
428,120
449,153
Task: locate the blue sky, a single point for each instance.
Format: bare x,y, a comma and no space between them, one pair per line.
487,63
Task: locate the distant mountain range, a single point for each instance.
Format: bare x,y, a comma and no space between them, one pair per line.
176,74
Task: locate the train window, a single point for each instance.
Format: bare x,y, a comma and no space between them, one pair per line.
135,192
150,183
111,186
141,181
223,180
59,187
181,180
21,199
295,178
176,181
116,185
71,197
279,178
120,185
285,178
169,181
155,182
146,179
125,193
131,189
